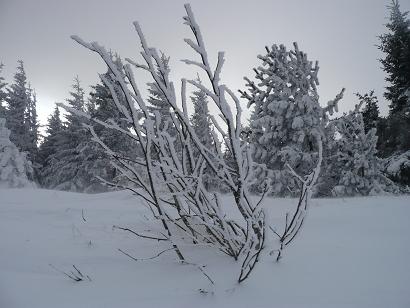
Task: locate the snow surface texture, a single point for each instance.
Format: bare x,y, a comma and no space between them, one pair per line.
352,253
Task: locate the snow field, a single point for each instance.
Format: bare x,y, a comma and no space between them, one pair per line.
351,253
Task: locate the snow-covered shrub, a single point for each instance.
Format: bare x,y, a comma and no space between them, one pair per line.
397,167
14,167
171,180
357,168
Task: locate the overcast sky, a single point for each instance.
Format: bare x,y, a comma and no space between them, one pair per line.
340,34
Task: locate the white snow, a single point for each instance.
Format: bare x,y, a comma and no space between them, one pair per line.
351,253
396,163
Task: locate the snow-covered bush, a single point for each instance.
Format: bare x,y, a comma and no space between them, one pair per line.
14,167
397,167
358,169
170,180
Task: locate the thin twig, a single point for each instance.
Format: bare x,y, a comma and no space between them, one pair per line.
200,268
82,214
146,259
77,277
140,235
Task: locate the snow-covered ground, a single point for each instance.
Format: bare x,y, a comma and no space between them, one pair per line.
351,253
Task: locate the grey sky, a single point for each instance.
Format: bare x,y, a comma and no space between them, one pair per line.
340,34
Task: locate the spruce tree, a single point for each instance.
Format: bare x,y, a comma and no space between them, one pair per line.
355,163
201,123
51,144
396,46
65,170
159,105
3,94
370,111
201,120
92,159
14,167
102,106
96,162
31,121
157,99
105,110
18,101
287,117
74,122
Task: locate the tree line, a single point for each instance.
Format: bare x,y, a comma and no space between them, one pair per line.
363,153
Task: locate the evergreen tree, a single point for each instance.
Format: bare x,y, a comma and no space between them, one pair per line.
18,101
370,111
105,110
32,120
65,169
287,117
74,123
201,120
157,98
3,94
159,105
93,161
102,106
32,124
50,146
14,167
201,123
355,163
396,46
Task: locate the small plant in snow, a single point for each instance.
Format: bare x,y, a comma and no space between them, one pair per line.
75,275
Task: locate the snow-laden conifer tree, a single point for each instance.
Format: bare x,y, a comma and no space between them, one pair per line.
371,119
397,166
157,100
18,101
395,44
201,122
3,94
77,102
14,167
158,104
355,162
51,144
287,118
92,162
31,121
101,106
65,172
370,110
